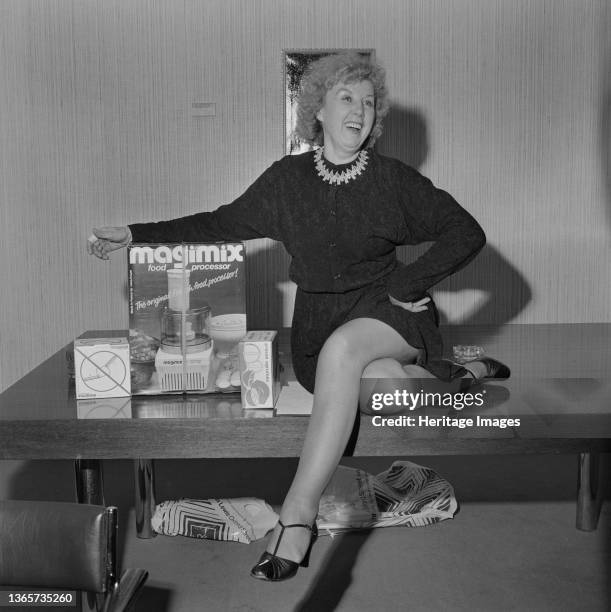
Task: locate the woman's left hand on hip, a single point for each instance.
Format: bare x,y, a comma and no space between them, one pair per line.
417,306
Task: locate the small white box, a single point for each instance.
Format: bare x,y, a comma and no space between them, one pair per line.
259,369
102,368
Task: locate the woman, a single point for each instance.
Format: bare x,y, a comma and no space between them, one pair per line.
340,212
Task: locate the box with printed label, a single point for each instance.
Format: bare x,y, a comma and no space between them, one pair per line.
259,369
187,313
101,368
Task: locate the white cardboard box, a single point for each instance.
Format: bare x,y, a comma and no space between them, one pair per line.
259,369
101,368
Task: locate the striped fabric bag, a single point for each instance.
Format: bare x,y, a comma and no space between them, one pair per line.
243,519
406,494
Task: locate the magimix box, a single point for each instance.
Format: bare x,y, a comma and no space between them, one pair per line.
259,367
187,312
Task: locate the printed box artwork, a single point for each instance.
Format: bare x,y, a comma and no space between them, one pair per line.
101,368
187,313
258,354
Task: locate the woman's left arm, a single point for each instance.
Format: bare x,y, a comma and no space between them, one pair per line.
432,214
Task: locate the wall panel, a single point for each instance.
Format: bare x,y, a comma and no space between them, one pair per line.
503,103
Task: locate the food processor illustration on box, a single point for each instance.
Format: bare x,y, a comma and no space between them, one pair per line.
183,359
187,315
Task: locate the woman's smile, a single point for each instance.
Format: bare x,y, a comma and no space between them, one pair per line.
347,116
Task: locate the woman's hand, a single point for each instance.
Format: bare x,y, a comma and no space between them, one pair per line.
104,240
418,306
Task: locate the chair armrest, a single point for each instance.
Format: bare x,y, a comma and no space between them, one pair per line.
126,591
53,544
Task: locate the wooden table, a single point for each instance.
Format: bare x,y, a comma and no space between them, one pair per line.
559,386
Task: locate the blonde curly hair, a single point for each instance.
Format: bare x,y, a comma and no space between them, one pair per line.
324,74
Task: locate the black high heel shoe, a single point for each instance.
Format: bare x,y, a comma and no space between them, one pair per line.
273,568
495,370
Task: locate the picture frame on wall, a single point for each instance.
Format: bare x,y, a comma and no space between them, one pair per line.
295,63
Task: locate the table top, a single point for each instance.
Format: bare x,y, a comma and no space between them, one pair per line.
559,388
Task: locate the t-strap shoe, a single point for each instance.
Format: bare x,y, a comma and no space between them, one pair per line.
273,568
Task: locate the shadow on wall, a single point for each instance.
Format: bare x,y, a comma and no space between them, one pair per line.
605,166
507,292
404,136
605,138
266,271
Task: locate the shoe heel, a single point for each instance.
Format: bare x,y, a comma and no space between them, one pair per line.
306,559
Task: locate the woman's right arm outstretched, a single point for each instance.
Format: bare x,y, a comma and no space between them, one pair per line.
255,214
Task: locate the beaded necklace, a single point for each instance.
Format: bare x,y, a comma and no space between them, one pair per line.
337,178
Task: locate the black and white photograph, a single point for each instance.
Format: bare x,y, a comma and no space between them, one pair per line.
306,305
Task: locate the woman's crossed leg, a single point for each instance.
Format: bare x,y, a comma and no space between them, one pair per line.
341,363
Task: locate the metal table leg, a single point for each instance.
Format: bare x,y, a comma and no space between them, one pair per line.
588,502
144,472
89,481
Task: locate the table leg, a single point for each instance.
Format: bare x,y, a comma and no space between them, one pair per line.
89,481
144,471
588,506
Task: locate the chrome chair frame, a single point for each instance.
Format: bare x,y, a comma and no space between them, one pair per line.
68,546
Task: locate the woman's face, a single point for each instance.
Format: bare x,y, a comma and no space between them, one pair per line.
347,116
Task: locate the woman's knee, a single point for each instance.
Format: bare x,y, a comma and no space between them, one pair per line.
363,341
384,368
343,344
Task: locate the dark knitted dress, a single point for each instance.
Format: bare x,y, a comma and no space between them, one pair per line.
342,243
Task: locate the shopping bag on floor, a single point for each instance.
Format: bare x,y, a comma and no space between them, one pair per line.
406,494
243,519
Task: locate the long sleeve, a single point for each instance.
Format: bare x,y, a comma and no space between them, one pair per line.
254,214
431,214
